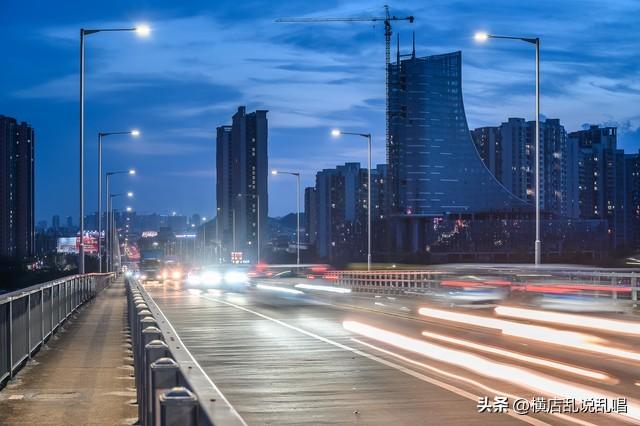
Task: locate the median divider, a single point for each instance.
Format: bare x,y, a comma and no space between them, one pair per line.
171,387
30,316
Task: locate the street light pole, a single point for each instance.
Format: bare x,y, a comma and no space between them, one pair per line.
536,42
142,30
368,136
100,136
297,175
81,248
538,243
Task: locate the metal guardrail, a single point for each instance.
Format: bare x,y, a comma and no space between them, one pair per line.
171,387
614,284
30,316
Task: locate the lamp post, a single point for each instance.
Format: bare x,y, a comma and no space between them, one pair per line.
100,136
297,175
536,42
336,133
142,30
107,233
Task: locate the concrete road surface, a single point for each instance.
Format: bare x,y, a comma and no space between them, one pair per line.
282,357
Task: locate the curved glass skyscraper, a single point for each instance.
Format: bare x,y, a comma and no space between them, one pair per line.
435,168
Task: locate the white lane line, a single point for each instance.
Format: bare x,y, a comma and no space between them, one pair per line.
472,382
458,391
213,385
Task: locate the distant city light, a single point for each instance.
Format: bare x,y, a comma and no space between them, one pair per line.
129,194
129,209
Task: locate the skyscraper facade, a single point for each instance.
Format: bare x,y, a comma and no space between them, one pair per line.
508,151
17,173
341,218
434,167
601,179
241,186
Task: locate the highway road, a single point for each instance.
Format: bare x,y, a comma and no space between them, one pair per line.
282,355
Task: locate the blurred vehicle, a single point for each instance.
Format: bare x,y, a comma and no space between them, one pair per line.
172,272
150,271
231,277
472,297
581,303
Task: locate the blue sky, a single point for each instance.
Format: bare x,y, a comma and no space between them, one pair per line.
205,58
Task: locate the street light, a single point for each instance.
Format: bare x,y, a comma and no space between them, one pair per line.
142,30
100,136
297,175
536,42
336,133
108,176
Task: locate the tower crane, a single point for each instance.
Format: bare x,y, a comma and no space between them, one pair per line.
387,38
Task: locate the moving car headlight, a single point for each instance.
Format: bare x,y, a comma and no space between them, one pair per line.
164,275
176,275
136,275
143,277
211,278
235,277
128,274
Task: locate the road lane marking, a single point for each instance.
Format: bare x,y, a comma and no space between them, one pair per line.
464,379
458,391
213,385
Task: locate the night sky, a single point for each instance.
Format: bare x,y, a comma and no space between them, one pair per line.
204,58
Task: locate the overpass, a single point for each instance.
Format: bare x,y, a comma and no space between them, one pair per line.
302,351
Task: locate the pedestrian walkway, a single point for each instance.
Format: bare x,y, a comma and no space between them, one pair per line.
82,376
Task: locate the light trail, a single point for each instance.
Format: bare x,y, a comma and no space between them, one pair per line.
489,390
570,339
328,288
279,289
595,375
482,366
581,321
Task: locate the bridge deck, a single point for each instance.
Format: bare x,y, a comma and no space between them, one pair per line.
82,375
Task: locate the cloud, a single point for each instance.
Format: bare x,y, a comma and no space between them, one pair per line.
157,148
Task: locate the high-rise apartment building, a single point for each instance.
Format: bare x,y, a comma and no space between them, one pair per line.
241,185
601,179
508,151
17,227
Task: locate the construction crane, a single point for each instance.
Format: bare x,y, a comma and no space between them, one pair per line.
387,38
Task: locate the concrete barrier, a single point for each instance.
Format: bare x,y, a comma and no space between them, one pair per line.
169,390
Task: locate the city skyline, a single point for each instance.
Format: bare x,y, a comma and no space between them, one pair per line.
310,81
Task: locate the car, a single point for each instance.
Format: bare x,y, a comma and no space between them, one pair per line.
220,276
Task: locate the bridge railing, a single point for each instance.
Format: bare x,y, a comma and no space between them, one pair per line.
602,283
30,316
171,387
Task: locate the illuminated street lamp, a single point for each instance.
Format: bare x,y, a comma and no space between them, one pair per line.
336,133
141,30
100,136
482,37
297,175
